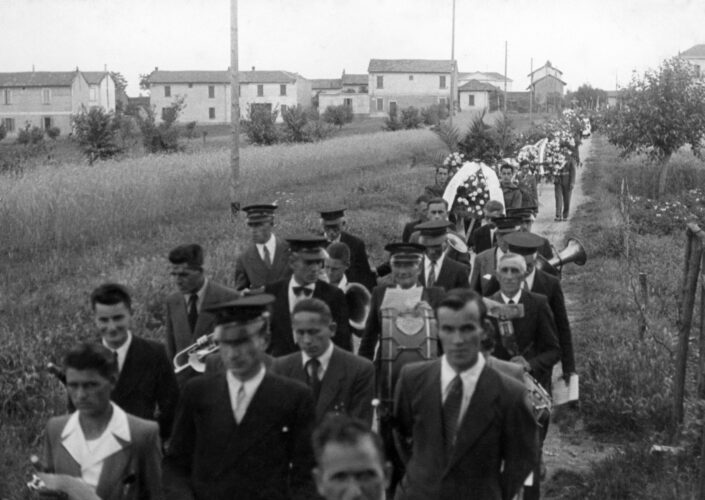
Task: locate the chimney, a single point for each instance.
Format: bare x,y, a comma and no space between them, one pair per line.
253,68
32,68
156,68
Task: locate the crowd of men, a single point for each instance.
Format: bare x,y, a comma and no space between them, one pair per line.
296,361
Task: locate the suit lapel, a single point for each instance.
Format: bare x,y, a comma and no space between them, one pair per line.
433,400
280,257
132,369
115,471
333,380
182,332
206,321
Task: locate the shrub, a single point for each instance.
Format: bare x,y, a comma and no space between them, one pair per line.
30,135
53,132
480,143
338,115
411,118
434,114
260,125
162,137
392,123
295,121
190,129
3,131
96,132
318,130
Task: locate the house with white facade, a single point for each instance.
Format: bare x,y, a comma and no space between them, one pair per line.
696,56
395,84
491,77
101,89
348,90
206,94
547,87
474,95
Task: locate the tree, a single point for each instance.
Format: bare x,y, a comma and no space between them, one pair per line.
96,132
162,137
504,135
587,97
338,115
479,143
144,81
260,125
662,111
120,82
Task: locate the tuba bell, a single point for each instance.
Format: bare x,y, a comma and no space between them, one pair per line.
573,252
456,242
358,299
195,354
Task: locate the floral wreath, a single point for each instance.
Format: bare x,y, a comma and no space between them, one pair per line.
472,195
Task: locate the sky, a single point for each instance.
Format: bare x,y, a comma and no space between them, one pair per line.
600,42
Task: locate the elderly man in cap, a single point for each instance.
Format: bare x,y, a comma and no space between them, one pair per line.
186,317
306,260
486,262
438,270
265,260
527,215
482,237
243,433
333,222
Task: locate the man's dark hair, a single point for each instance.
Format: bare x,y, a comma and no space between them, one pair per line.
316,306
434,201
457,298
506,166
494,205
92,356
191,255
339,251
422,199
343,429
111,294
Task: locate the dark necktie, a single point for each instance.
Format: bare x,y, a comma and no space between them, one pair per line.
117,361
267,257
451,412
302,290
314,382
511,301
431,274
192,311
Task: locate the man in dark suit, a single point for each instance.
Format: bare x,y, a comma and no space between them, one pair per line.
341,382
528,216
420,208
564,181
437,269
482,237
243,433
186,317
333,222
486,262
265,260
464,430
146,381
306,260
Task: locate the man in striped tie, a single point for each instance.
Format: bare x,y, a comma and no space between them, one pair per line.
464,430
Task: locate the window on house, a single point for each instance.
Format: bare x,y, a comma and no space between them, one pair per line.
7,96
46,96
347,102
167,90
411,77
471,100
442,82
443,102
211,91
380,104
260,90
9,124
93,93
211,113
46,122
282,89
380,82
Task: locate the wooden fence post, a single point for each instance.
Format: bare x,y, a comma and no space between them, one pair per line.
644,292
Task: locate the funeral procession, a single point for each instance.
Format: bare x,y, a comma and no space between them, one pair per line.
458,260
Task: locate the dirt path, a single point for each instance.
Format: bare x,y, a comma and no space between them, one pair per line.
568,449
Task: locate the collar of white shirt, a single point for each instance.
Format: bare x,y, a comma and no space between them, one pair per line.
515,298
74,440
121,351
529,280
427,265
324,359
251,385
201,293
271,245
343,285
498,255
469,378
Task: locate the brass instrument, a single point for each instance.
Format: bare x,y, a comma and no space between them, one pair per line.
195,354
573,252
358,299
456,242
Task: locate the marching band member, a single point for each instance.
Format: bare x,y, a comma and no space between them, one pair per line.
438,270
486,262
243,433
482,238
527,215
115,455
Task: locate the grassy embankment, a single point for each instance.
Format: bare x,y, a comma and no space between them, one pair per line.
626,377
67,229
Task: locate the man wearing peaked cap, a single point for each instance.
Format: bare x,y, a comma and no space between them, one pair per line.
482,237
486,262
265,260
528,216
437,269
306,261
243,433
333,222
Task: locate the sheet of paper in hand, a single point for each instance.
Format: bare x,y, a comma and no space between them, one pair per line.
503,311
401,299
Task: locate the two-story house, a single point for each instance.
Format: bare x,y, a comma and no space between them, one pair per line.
492,77
101,90
696,56
395,84
547,87
351,91
206,94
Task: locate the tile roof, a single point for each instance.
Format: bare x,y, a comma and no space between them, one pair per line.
489,75
477,86
409,66
544,77
695,51
326,83
37,79
355,79
94,77
547,65
221,77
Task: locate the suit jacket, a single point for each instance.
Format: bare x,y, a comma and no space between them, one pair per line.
178,330
147,383
481,239
373,329
485,263
359,270
507,368
347,387
282,337
535,335
409,228
267,456
140,456
251,271
214,363
452,275
550,287
498,427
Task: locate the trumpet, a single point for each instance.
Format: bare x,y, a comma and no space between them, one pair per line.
195,354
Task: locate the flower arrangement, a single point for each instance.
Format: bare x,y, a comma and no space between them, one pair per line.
453,162
530,154
472,196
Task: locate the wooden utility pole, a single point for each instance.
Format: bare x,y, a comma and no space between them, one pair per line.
452,67
505,77
234,112
531,94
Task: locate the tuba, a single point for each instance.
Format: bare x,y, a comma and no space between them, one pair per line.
195,354
358,299
573,252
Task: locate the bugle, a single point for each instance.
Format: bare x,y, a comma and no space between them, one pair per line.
195,354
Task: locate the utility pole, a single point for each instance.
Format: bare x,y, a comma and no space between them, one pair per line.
234,112
505,77
531,93
452,68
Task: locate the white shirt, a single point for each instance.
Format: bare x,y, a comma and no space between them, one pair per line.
271,245
529,281
201,293
515,298
121,351
343,285
293,298
91,460
498,255
469,378
437,266
324,359
250,386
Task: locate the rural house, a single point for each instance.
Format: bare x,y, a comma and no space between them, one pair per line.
48,98
547,87
696,56
351,91
395,84
475,95
207,93
491,77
